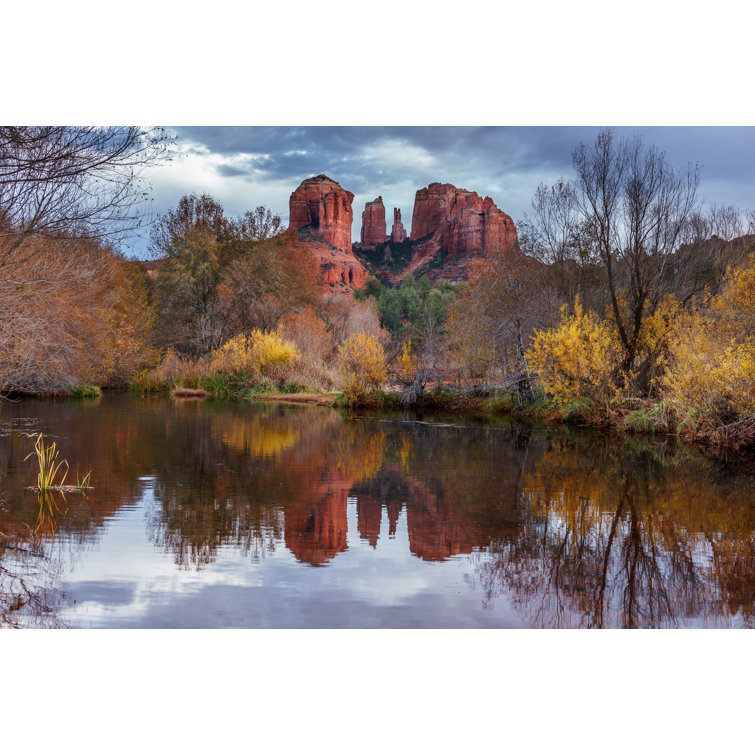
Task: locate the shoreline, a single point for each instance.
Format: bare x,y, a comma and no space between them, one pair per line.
656,423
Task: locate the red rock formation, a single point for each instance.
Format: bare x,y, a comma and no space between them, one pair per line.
460,222
324,207
398,234
337,266
373,223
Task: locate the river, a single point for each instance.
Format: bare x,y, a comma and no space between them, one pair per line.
207,514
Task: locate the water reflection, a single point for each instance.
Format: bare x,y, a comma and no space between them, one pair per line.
549,530
628,537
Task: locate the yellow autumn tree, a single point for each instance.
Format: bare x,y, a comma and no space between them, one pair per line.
362,366
406,362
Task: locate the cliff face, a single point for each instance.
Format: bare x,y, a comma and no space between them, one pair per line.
460,222
373,223
320,212
338,267
325,207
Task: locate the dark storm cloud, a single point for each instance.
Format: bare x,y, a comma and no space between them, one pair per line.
297,152
244,167
344,152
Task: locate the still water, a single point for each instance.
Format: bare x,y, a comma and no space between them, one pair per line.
271,515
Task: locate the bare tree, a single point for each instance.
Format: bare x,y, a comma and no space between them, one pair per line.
260,224
726,221
63,181
493,319
636,207
549,233
555,234
750,217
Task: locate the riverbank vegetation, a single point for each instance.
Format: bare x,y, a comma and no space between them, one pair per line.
631,304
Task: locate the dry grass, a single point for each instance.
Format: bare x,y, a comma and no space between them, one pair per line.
195,393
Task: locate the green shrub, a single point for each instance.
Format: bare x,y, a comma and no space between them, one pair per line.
291,386
661,417
218,386
503,402
263,387
86,391
578,409
638,421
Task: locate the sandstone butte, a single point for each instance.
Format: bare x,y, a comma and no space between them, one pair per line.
373,223
323,208
461,222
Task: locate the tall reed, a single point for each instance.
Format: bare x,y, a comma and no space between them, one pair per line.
48,466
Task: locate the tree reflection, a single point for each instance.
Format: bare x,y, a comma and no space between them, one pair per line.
625,539
30,567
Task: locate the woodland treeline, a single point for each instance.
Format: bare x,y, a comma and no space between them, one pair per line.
632,303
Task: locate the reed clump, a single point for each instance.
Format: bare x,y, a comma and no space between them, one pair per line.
48,466
52,472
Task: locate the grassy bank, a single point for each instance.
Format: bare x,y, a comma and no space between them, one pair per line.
706,424
217,386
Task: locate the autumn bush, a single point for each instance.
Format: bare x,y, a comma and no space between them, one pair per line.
578,360
173,371
694,371
258,362
310,334
711,371
706,368
345,316
406,363
258,354
72,312
362,366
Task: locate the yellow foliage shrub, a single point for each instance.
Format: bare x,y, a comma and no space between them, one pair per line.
651,352
712,352
579,359
733,310
362,366
259,354
711,373
407,365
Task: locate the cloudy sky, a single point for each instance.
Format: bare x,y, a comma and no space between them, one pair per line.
243,167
